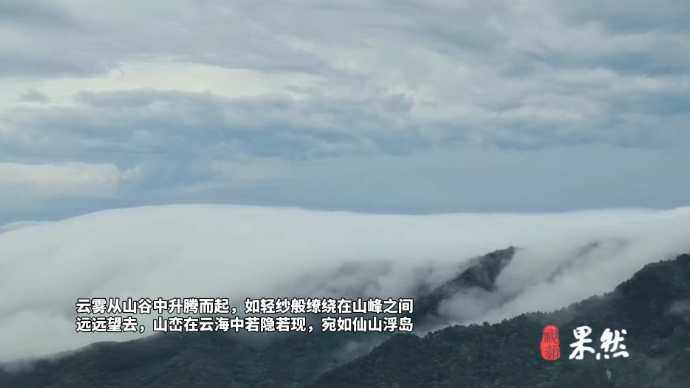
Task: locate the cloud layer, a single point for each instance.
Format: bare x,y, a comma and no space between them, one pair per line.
215,101
239,252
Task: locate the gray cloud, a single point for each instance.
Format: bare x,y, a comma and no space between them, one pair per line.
24,64
218,94
36,13
33,30
629,16
33,95
186,122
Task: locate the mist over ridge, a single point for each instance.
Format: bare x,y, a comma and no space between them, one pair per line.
243,251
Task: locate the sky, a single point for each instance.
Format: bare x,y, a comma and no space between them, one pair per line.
373,106
406,136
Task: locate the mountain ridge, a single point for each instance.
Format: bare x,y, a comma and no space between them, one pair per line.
498,355
212,359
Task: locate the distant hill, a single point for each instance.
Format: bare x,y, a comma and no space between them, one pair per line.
652,306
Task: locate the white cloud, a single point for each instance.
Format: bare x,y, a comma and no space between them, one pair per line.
69,178
239,252
18,225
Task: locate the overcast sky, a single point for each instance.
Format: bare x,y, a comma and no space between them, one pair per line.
380,106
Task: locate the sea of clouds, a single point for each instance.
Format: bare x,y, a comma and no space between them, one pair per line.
242,251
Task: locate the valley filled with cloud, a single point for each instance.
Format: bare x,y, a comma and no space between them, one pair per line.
240,252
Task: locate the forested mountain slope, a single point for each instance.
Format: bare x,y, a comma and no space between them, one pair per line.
653,307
